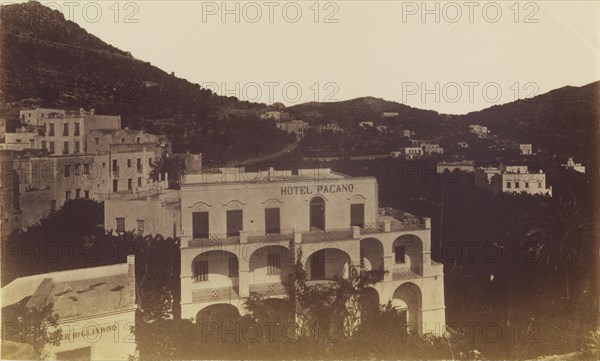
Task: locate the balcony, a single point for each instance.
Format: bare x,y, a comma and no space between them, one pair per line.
386,224
268,289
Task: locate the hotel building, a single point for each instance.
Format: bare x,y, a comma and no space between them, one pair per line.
240,231
95,307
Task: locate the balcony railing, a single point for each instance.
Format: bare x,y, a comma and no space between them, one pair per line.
214,294
268,289
339,234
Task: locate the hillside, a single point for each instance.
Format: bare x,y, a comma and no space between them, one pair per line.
351,112
565,121
49,61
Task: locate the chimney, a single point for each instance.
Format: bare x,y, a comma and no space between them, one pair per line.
131,299
271,174
427,222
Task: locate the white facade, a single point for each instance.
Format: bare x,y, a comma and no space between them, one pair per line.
240,232
297,127
512,179
429,148
21,140
95,308
480,130
36,116
574,166
464,166
524,149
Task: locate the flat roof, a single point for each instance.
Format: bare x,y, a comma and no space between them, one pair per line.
75,293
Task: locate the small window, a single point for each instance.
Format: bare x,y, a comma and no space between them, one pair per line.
115,185
141,225
68,195
77,193
65,129
357,215
235,221
86,168
51,149
86,194
273,264
129,184
51,130
97,141
138,140
526,184
201,271
540,185
400,254
508,184
232,265
65,147
67,172
139,164
139,183
77,147
77,169
122,140
516,184
120,224
272,222
76,128
128,163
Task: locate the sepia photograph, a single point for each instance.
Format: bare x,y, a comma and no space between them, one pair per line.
299,180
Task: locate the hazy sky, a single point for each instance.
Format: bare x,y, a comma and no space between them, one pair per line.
452,57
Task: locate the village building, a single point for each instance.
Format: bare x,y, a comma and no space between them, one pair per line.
463,166
408,153
151,212
479,130
524,149
431,149
35,116
296,127
275,115
240,232
512,179
574,166
95,308
331,127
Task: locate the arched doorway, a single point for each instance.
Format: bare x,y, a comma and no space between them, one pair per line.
269,268
328,264
371,253
407,298
215,269
369,301
408,253
219,313
317,214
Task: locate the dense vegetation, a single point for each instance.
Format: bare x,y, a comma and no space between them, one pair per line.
51,62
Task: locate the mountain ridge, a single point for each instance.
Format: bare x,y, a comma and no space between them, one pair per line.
49,61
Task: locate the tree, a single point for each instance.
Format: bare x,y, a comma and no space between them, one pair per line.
173,167
561,237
